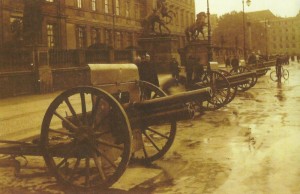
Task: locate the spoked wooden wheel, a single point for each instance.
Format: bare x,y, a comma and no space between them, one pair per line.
273,76
86,138
233,89
285,74
220,90
251,80
156,139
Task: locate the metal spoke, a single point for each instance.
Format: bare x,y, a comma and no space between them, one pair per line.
87,172
83,104
99,166
109,144
152,142
68,154
99,134
72,110
74,127
76,165
104,156
160,134
61,132
94,109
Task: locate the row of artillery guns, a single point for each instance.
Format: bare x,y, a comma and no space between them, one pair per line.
224,83
89,134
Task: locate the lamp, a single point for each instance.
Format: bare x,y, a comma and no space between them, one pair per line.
248,2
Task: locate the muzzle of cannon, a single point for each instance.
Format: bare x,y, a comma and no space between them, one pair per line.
242,78
170,108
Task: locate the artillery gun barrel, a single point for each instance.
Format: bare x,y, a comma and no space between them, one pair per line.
165,109
190,96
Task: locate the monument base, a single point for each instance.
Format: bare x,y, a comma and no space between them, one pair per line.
161,50
197,49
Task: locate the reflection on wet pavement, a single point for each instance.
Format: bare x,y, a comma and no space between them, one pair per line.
250,146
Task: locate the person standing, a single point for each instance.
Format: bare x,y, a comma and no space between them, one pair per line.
174,66
235,63
147,71
189,71
198,69
252,59
227,61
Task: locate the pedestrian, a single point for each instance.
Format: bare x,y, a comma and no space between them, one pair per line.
235,63
174,67
279,63
189,71
227,61
147,72
198,70
252,59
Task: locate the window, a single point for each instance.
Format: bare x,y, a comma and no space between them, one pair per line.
93,3
117,7
106,10
79,3
118,40
16,27
129,39
127,7
80,37
108,37
51,35
95,38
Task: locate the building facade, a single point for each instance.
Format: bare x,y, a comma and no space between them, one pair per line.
75,24
280,36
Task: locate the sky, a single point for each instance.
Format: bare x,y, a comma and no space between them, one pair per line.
282,8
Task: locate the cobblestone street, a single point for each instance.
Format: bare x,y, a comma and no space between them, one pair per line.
249,146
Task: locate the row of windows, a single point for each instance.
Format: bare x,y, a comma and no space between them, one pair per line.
122,40
275,46
283,30
286,38
116,5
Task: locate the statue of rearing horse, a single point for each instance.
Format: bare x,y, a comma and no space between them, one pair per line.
149,22
192,31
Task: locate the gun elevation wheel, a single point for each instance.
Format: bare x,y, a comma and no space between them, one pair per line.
251,80
233,89
156,139
86,138
220,90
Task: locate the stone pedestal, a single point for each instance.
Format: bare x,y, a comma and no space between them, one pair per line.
161,50
197,49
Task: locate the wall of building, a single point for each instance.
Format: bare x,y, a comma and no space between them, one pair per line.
284,35
66,16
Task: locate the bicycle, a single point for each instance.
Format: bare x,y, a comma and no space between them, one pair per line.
283,73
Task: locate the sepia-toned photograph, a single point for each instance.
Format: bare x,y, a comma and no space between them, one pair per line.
149,97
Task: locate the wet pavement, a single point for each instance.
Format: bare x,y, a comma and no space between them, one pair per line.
250,146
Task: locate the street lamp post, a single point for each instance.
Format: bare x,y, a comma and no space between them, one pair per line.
266,32
209,34
244,30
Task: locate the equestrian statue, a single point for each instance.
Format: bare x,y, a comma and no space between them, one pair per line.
160,16
192,31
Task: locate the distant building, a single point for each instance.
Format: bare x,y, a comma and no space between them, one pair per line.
282,34
73,24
